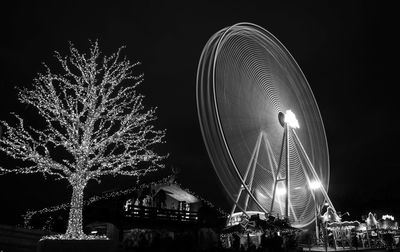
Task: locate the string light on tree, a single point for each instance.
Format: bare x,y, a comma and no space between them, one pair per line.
110,195
95,117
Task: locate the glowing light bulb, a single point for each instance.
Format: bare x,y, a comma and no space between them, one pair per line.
291,120
280,191
314,185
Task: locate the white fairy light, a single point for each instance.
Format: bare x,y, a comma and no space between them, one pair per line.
93,114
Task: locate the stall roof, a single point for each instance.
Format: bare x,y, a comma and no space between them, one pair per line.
178,193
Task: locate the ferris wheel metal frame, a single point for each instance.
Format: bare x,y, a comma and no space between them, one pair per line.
287,130
246,180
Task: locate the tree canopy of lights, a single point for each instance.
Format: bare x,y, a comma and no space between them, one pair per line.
94,119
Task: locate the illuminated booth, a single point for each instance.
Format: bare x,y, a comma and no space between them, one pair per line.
372,233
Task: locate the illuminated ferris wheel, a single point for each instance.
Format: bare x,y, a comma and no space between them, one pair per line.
261,125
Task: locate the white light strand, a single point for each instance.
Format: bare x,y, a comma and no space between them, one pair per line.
29,214
93,114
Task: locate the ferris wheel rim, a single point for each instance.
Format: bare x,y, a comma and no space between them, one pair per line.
295,64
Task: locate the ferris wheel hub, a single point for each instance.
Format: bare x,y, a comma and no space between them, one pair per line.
289,118
281,118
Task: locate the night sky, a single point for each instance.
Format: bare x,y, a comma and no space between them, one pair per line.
346,51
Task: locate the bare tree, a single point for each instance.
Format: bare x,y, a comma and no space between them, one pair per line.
94,118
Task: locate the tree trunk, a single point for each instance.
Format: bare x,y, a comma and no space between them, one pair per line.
75,228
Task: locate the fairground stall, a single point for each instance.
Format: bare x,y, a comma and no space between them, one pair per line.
372,233
254,229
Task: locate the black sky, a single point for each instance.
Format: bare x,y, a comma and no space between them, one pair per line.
345,50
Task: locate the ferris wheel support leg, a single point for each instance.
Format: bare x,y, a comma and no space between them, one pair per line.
287,181
314,173
315,201
271,157
276,180
236,201
254,157
273,164
248,190
230,216
252,172
308,180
